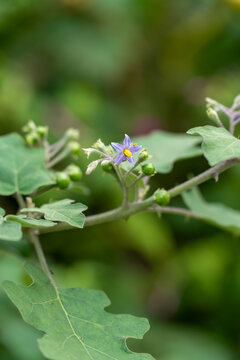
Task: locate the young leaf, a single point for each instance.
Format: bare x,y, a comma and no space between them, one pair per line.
63,210
21,168
30,222
217,214
218,144
167,148
74,321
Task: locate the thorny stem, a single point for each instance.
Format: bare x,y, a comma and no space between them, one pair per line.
146,205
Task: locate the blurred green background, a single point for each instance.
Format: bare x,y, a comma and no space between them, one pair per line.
110,67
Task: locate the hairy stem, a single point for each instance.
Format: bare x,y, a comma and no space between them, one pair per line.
40,254
123,186
146,205
20,200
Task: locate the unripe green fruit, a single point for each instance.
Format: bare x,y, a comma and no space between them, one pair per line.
74,147
143,156
107,166
32,139
148,169
162,197
62,180
74,172
72,134
42,130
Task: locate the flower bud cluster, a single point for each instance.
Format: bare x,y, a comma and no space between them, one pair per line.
34,134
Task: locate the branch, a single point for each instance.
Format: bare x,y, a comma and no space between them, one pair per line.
145,205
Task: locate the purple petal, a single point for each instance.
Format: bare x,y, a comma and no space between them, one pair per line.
117,146
127,141
131,160
120,157
135,148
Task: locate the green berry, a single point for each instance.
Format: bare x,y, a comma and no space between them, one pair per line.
72,134
42,130
32,139
148,169
162,197
62,180
74,147
74,172
107,165
143,156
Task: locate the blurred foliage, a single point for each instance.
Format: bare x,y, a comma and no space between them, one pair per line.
109,67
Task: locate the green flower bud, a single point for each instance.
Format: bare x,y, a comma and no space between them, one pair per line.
62,180
74,172
162,197
42,130
32,139
143,156
74,147
148,169
107,165
72,134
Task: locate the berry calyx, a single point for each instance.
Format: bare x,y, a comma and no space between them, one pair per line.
42,130
74,147
148,169
143,156
162,197
32,139
107,165
62,180
74,172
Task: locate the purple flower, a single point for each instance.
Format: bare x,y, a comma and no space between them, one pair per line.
125,151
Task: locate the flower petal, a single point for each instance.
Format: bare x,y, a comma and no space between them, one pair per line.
117,146
131,160
120,157
135,148
127,141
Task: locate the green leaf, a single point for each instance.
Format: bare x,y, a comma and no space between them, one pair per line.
218,144
64,211
30,222
74,321
217,214
10,231
21,168
167,148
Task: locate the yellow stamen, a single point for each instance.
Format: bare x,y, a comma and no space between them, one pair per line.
127,152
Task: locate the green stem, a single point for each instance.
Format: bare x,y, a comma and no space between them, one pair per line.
40,254
123,186
136,207
135,182
206,175
20,200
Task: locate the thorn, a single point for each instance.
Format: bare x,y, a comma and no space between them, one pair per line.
215,176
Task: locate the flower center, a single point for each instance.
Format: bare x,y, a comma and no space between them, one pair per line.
127,152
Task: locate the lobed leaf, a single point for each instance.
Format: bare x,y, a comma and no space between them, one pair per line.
30,222
21,168
218,143
217,214
167,148
74,321
63,210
